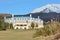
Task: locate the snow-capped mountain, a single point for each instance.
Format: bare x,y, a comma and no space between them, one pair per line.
48,8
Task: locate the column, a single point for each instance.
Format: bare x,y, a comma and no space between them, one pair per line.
38,21
13,20
30,19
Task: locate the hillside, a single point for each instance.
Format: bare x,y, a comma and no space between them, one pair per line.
47,12
5,15
46,16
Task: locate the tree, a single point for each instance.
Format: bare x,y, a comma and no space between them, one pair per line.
32,25
3,25
11,26
36,25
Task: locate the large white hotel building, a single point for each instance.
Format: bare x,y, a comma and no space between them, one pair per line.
24,22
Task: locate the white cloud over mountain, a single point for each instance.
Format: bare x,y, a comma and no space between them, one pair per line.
48,8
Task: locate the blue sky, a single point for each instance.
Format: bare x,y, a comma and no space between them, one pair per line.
23,6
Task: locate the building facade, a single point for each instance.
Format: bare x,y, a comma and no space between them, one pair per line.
24,22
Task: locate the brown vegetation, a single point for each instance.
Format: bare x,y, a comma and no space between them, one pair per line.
5,15
49,32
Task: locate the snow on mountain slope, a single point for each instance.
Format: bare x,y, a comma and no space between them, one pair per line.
48,8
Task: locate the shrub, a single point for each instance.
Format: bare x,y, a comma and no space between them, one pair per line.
48,29
11,26
0,28
32,25
3,25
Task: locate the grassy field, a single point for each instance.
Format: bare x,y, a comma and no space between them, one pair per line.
16,35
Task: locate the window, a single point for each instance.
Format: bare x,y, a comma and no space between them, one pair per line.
21,25
25,25
17,25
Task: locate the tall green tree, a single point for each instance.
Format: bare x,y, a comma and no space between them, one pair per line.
3,25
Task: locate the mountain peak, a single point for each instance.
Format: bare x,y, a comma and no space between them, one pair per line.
48,8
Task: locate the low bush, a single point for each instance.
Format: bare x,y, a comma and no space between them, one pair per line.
48,29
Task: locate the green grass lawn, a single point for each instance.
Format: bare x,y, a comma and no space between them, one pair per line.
16,35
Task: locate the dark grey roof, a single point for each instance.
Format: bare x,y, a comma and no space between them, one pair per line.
20,15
